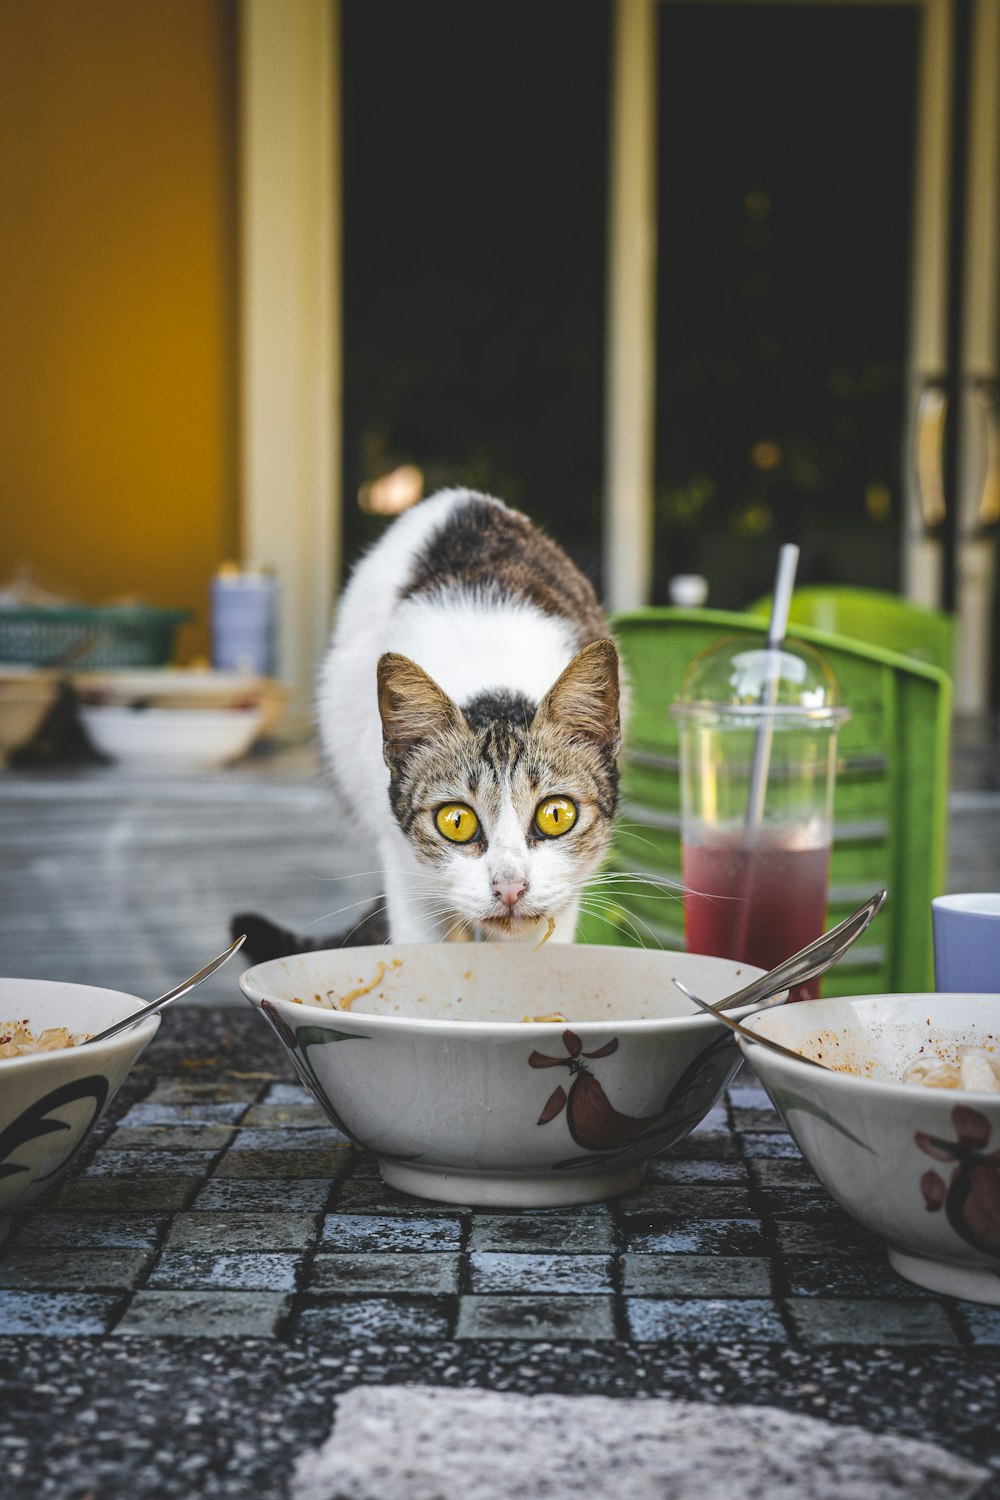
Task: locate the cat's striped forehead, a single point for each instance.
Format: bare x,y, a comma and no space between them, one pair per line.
498,759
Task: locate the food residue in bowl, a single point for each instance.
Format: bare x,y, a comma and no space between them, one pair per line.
18,1040
548,933
974,1069
555,1016
344,1002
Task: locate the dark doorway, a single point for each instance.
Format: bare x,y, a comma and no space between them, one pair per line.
474,263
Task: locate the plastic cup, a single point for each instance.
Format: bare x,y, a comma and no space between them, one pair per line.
756,867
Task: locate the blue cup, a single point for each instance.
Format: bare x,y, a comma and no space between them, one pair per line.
967,944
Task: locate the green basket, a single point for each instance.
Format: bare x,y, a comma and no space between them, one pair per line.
89,636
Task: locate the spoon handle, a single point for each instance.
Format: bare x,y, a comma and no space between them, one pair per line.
764,1041
162,1000
809,961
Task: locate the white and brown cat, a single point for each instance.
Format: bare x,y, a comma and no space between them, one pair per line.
468,713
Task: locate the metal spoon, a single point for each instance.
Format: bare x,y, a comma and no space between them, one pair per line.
155,1005
751,1036
810,961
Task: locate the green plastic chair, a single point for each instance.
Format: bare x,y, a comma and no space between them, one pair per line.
890,807
871,616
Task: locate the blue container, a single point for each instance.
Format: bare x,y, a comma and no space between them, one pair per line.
244,621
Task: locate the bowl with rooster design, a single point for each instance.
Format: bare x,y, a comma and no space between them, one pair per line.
500,1074
50,1101
919,1166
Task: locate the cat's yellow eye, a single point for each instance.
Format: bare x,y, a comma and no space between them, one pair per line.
457,822
554,816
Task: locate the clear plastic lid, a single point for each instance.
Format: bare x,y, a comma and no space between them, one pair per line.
742,675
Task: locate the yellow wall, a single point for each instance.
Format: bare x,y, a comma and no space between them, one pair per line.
118,440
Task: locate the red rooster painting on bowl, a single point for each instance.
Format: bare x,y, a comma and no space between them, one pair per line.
603,1131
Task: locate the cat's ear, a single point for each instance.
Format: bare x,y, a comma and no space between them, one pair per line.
582,703
412,707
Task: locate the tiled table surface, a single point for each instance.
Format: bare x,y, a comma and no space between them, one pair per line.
179,1316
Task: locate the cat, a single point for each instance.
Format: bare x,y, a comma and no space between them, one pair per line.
468,714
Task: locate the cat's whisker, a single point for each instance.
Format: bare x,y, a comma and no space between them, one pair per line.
650,890
625,921
630,829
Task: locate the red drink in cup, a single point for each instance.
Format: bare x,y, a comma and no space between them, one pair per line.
758,753
758,903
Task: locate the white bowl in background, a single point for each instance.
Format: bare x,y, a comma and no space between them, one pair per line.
435,1069
918,1166
51,1101
184,687
171,739
26,695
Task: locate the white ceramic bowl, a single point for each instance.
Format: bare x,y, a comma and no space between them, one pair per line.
51,1101
435,1070
26,695
171,739
918,1166
184,687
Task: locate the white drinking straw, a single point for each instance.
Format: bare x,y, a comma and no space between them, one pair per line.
781,602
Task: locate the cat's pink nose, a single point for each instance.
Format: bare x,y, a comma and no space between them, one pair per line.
509,892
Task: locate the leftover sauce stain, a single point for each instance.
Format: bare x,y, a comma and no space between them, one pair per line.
346,1001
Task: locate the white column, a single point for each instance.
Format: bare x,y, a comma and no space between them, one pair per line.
928,352
976,548
631,309
290,266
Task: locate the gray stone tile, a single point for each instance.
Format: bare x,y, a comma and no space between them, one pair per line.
710,1321
367,1196
300,1113
150,1138
387,1232
716,1122
687,1201
199,1111
700,1276
843,1278
245,1270
748,1096
368,1320
287,1096
774,1144
209,1314
58,1314
588,1319
759,1117
584,1234
86,1231
364,1164
981,1323
560,1275
241,1232
327,1163
119,1269
814,1204
223,1091
783,1172
873,1323
433,1273
249,1194
706,1146
289,1138
846,1239
107,1163
127,1194
679,1170
701,1237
